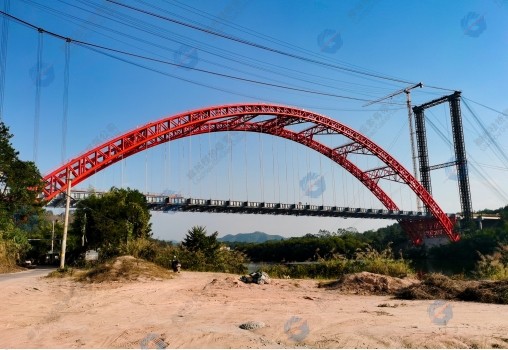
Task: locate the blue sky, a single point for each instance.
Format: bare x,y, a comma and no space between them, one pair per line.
451,44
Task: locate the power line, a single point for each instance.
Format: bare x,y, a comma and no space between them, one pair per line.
158,31
3,56
478,170
480,104
149,28
38,76
65,100
84,44
493,142
259,46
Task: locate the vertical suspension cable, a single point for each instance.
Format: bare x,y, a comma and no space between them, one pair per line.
293,171
322,179
38,94
3,55
286,162
230,170
181,165
273,166
165,169
261,182
122,165
298,173
65,99
332,165
216,172
246,165
169,183
190,169
213,159
200,157
146,171
345,187
309,184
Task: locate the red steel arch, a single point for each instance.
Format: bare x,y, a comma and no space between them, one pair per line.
239,117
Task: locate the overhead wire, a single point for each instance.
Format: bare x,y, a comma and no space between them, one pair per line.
157,31
66,16
65,101
256,45
483,105
38,76
3,56
97,48
498,191
159,34
248,31
501,155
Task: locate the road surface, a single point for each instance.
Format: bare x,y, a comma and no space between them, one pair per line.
38,272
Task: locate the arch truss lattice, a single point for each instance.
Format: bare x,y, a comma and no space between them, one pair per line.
243,117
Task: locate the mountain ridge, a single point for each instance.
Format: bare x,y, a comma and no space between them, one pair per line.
252,237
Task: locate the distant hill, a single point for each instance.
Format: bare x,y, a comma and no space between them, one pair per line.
254,237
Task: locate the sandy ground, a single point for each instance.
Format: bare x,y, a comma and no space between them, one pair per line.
205,310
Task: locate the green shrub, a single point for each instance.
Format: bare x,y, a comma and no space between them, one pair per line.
368,260
142,248
495,266
219,260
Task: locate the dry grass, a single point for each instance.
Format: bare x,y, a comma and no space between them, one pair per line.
67,272
7,260
125,269
367,283
437,286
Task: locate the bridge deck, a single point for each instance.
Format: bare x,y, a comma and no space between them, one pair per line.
166,203
241,207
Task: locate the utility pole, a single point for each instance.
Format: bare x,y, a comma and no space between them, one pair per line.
412,134
53,237
66,223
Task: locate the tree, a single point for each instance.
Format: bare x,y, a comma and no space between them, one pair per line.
106,221
196,240
20,209
20,181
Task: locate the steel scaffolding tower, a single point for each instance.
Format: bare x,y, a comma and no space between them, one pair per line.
459,147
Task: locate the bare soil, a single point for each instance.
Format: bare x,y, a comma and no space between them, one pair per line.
206,310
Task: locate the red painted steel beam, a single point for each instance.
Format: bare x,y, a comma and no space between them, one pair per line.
193,122
352,147
384,172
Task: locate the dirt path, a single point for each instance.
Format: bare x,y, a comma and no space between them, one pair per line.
204,310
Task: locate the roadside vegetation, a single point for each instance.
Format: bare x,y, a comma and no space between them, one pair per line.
368,260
